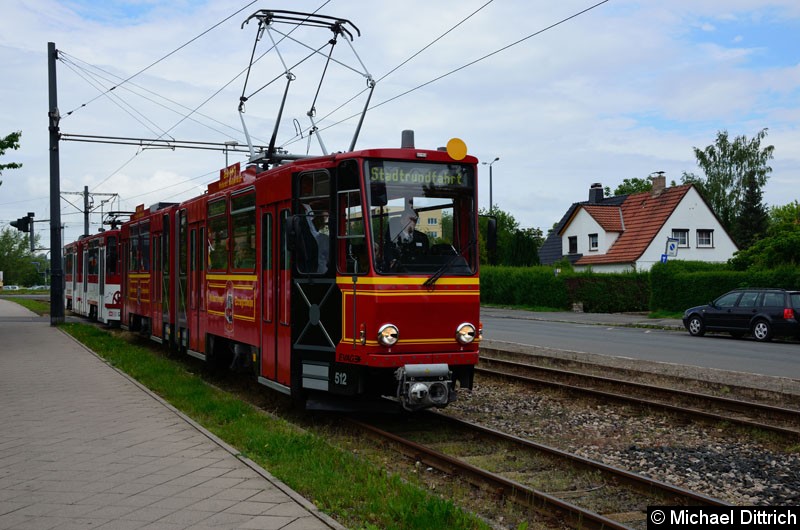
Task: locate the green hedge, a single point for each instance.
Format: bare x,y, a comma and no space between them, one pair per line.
523,286
610,293
542,287
678,285
672,286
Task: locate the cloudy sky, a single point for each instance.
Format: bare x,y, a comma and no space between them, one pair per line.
565,93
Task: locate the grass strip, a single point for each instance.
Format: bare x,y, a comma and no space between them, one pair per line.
37,306
353,490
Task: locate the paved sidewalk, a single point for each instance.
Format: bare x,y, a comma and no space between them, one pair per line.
83,446
609,319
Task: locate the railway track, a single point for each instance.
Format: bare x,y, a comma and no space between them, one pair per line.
559,486
556,484
782,420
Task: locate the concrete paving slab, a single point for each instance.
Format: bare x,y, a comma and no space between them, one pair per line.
84,446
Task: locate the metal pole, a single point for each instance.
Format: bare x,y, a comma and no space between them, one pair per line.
491,203
30,221
56,269
86,210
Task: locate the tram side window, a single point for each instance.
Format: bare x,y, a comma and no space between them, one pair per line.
111,255
144,234
218,235
315,204
94,253
284,257
166,242
183,266
351,234
243,220
133,257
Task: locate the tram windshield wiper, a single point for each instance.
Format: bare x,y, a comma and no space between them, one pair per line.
430,282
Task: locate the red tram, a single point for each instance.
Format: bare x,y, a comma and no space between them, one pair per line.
93,275
147,303
353,274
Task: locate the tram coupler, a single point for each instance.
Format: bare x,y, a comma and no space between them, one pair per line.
425,385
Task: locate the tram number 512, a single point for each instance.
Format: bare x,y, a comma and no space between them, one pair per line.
340,378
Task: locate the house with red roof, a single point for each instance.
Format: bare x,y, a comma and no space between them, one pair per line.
632,232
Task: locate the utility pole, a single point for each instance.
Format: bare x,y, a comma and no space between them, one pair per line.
88,204
56,269
86,210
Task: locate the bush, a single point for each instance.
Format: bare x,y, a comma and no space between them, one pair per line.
524,286
610,293
673,286
678,285
542,287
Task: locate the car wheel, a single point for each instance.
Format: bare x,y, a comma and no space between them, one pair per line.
696,327
762,331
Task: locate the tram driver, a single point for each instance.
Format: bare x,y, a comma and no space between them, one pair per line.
404,241
318,226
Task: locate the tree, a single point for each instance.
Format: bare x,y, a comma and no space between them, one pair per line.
516,247
524,249
9,142
16,261
728,168
780,247
629,186
753,219
784,218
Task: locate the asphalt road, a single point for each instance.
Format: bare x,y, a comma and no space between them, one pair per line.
672,346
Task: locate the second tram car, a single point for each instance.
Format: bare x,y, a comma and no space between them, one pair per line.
148,303
92,276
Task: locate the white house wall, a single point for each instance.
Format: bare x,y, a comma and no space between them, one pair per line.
692,213
581,226
605,267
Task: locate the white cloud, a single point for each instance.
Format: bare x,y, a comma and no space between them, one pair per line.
624,90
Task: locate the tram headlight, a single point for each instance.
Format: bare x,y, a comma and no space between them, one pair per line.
388,335
465,333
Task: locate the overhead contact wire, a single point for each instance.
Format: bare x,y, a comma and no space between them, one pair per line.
471,63
167,55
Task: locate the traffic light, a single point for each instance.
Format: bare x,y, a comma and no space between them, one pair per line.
23,224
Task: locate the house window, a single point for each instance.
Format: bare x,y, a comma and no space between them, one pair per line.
705,238
593,242
573,244
682,235
433,221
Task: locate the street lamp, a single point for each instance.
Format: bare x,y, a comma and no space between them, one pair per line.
491,204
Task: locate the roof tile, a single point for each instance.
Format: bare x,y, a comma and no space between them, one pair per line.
609,217
643,216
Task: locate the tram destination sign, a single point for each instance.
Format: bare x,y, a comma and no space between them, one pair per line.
420,174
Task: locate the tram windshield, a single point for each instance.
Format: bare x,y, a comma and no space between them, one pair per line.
422,217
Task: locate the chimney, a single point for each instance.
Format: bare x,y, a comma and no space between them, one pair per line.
659,183
596,193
